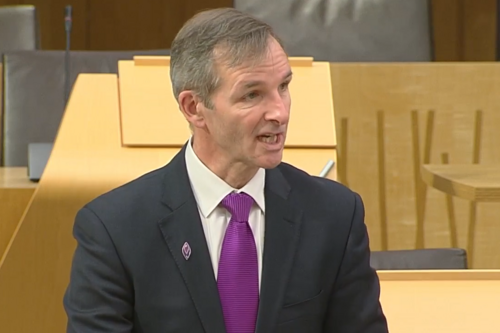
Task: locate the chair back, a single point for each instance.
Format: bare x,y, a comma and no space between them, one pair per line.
419,259
34,99
349,30
19,28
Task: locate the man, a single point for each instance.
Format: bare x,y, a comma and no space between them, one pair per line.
226,237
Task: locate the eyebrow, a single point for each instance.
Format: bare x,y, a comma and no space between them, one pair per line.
289,75
251,84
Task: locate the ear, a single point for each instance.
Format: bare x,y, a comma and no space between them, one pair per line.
192,108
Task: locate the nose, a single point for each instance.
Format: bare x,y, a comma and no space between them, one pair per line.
278,110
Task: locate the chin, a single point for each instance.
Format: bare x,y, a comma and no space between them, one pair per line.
271,161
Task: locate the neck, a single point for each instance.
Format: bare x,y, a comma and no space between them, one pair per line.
235,174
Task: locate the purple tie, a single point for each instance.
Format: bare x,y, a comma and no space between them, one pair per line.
238,275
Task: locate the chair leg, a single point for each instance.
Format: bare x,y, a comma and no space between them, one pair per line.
420,187
450,207
381,180
471,234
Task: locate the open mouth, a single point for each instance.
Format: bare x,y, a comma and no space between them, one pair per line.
272,141
269,138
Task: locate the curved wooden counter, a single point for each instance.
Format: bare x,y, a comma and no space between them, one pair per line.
16,191
441,301
89,158
474,182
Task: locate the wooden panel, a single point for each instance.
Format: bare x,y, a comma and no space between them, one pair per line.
454,92
133,24
11,2
441,301
160,123
115,24
15,193
480,30
312,114
447,27
51,19
13,203
194,6
137,25
464,30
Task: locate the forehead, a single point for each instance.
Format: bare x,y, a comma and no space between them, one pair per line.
270,66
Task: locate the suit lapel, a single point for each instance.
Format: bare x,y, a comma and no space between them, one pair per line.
182,225
283,221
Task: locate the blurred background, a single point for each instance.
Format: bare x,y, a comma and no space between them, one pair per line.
414,83
456,30
416,99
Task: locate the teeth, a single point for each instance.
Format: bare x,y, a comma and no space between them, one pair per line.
269,138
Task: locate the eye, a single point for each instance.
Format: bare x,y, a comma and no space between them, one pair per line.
251,96
284,86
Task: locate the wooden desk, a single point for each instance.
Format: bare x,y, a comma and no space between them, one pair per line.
472,182
441,301
16,191
88,159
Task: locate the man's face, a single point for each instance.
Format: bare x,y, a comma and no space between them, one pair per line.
249,120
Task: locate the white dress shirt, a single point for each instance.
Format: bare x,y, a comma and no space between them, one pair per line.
209,190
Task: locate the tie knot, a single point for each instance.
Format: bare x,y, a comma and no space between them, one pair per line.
239,205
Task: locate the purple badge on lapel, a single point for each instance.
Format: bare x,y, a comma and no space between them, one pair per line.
186,250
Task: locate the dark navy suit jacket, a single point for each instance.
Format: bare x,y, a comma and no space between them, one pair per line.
129,274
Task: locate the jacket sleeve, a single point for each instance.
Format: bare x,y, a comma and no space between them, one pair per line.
99,297
354,305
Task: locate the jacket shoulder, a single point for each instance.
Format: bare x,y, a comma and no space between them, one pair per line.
323,195
315,184
124,199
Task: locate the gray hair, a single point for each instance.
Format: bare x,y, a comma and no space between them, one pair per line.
218,36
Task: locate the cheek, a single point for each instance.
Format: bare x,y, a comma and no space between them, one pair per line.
231,132
211,121
287,100
248,127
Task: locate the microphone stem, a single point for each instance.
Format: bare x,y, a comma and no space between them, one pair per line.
67,66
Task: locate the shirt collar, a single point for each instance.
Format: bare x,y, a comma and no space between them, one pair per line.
209,189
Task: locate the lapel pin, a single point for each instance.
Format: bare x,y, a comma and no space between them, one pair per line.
186,250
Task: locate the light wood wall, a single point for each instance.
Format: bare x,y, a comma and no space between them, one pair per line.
377,104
